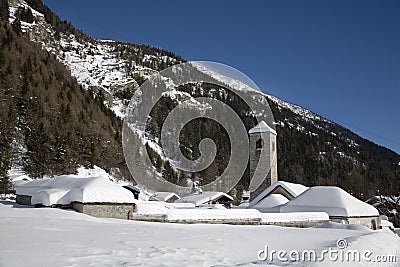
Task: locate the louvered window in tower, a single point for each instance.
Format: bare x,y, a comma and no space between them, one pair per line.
259,144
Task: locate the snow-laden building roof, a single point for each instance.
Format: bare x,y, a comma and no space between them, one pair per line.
163,196
270,201
203,198
132,188
332,200
289,190
262,127
69,188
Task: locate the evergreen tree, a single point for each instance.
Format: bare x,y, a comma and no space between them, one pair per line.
4,10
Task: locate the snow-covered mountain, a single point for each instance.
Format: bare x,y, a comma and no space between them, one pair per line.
108,66
101,64
312,150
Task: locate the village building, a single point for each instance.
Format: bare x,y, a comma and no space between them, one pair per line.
286,189
168,197
207,198
95,196
277,194
337,203
270,203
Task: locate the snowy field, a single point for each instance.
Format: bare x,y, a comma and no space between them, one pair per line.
53,237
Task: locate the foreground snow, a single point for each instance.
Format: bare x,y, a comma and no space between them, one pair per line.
53,237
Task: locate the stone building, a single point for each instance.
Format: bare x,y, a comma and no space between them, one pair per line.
207,198
263,158
168,197
95,196
337,203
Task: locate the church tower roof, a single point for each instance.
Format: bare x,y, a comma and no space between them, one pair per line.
262,127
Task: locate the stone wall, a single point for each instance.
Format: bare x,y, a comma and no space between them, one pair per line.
23,200
106,210
298,224
254,221
371,222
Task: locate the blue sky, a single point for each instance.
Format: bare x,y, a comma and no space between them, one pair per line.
340,59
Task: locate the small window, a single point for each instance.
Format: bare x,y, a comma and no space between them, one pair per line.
259,144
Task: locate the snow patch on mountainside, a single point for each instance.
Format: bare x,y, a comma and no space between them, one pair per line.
242,86
96,64
231,82
15,4
305,113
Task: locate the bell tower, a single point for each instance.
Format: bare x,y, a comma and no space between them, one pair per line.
263,157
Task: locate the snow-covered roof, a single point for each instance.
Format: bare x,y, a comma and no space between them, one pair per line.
332,200
205,197
270,201
69,188
262,127
132,188
291,188
163,196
